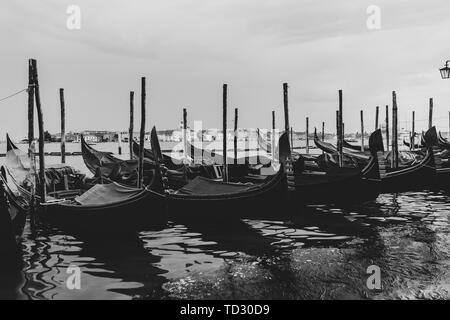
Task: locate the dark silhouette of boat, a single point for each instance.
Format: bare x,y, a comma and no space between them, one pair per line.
335,184
202,197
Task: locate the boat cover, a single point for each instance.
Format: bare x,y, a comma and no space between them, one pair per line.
204,186
102,194
263,144
18,163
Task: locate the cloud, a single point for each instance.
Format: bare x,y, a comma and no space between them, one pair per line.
188,48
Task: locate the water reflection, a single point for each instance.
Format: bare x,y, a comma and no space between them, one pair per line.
319,252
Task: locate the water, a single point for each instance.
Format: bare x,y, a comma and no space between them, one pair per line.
319,252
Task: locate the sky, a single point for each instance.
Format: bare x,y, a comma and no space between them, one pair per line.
187,49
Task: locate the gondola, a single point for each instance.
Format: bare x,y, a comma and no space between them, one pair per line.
105,165
312,161
178,173
105,208
351,158
350,146
341,185
208,198
211,157
416,146
95,207
169,162
15,173
440,158
12,202
360,159
419,176
242,169
9,250
443,142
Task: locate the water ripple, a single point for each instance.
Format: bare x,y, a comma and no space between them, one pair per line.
319,252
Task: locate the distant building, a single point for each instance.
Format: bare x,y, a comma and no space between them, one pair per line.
109,137
92,138
70,137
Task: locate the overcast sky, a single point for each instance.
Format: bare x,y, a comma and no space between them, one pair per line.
188,48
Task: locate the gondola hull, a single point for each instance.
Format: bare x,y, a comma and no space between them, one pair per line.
313,188
417,177
144,212
204,198
443,142
443,178
261,202
337,185
354,147
9,250
15,206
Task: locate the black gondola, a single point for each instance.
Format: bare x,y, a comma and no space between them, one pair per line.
9,250
203,197
419,176
169,162
350,146
15,205
336,184
110,207
211,157
360,159
416,146
105,165
443,142
351,158
205,163
440,158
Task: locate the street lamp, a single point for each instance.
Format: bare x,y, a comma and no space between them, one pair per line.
445,72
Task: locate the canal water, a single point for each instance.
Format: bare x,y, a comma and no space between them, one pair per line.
320,252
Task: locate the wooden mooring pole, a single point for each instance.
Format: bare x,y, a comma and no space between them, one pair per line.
307,135
362,131
323,131
63,125
43,191
387,128
224,130
30,103
236,134
395,129
119,141
413,131
341,131
430,115
377,111
273,120
272,136
337,127
288,167
142,136
286,109
186,152
131,127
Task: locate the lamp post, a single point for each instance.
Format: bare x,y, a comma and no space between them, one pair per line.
445,74
445,71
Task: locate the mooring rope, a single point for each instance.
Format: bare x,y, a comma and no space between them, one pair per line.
14,94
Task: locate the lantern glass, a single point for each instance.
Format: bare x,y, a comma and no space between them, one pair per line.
445,72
